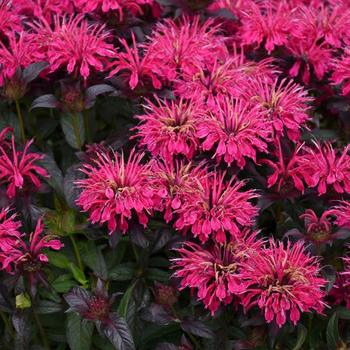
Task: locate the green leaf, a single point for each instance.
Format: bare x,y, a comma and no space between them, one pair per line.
155,274
78,332
79,275
302,333
124,302
343,313
63,283
332,333
93,258
73,128
48,307
58,259
123,272
23,301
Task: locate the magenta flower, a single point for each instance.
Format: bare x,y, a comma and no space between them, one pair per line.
44,9
326,167
287,174
10,21
341,74
286,104
18,170
208,84
169,127
235,130
213,272
136,70
173,181
184,46
269,22
319,230
116,190
340,293
218,208
283,282
310,57
341,212
21,51
30,257
78,46
9,230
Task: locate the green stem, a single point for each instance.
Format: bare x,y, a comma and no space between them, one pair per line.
87,125
6,322
76,252
43,336
76,129
21,121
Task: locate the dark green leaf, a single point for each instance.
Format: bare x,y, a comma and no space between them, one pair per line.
58,259
73,128
155,274
123,272
332,333
93,258
78,332
78,275
48,307
124,302
301,337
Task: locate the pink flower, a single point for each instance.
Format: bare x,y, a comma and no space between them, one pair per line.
326,167
218,208
29,258
140,72
9,230
271,22
184,46
341,212
285,103
78,46
283,282
235,130
340,293
206,84
341,74
116,190
10,21
20,52
18,170
214,271
169,127
309,56
44,9
173,181
287,174
319,230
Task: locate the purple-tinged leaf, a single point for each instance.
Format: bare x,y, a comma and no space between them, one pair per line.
77,299
32,71
156,314
197,328
45,101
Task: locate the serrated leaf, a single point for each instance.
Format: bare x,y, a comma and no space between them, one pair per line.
301,337
197,328
122,272
73,128
33,71
93,258
45,101
78,332
78,275
118,333
124,302
332,333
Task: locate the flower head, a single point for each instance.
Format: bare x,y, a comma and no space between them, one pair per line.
21,51
235,130
115,190
214,271
183,46
271,22
169,127
140,72
283,282
341,74
341,212
326,167
285,103
217,208
18,169
173,181
10,21
78,46
29,257
9,229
